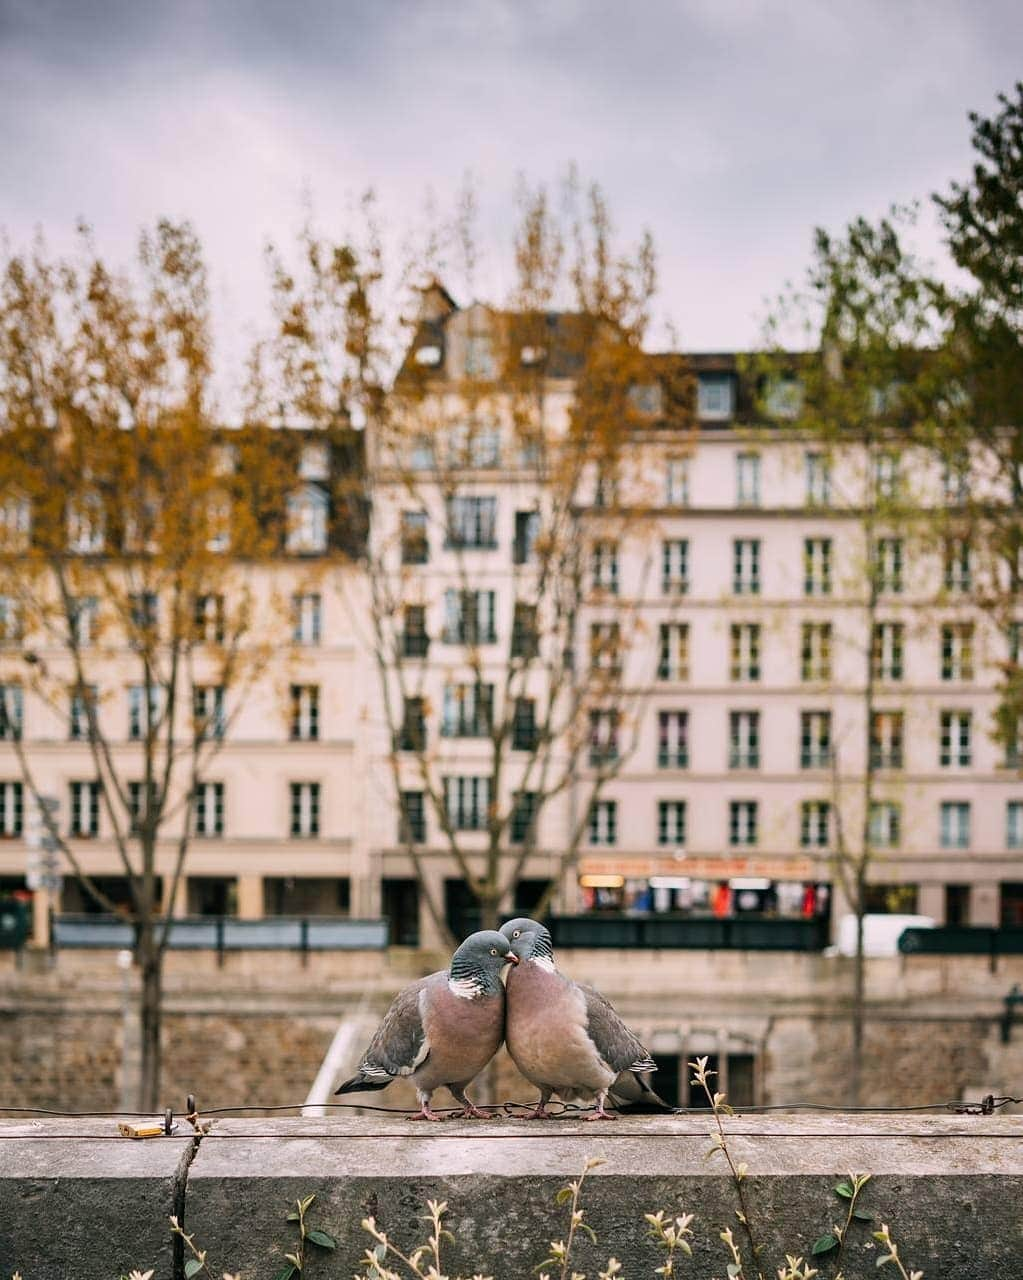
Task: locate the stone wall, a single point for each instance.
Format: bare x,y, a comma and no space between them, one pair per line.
78,1202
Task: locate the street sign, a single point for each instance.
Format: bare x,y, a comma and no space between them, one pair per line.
43,864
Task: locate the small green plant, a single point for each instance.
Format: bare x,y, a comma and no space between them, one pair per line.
892,1256
719,1107
670,1236
194,1266
423,1262
849,1190
294,1263
561,1250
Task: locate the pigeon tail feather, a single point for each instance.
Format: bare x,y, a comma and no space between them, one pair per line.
360,1083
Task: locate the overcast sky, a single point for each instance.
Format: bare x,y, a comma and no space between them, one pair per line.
729,127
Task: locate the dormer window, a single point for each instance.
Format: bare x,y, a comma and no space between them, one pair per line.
314,463
647,398
715,396
479,357
783,397
307,521
428,357
224,461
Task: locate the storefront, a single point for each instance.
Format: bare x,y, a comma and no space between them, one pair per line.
785,888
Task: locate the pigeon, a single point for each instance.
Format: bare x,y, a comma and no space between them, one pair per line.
566,1038
443,1029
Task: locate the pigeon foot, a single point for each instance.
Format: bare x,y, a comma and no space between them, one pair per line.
426,1114
601,1114
472,1112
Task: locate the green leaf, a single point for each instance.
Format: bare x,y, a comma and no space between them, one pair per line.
734,1270
285,1273
293,1217
824,1244
192,1268
564,1195
844,1190
321,1238
864,1215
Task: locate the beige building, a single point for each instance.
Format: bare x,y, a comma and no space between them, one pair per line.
737,587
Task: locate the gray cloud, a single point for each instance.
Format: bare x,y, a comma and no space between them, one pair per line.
730,127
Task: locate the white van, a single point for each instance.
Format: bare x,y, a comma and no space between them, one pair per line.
881,934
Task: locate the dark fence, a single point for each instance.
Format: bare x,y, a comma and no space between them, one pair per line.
963,940
689,933
224,933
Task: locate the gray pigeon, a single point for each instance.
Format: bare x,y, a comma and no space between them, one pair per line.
566,1038
443,1029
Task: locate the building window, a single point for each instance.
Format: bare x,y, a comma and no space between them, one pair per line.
84,810
886,736
145,710
523,816
83,617
956,481
524,730
314,461
886,475
412,734
208,712
527,530
814,739
412,822
955,824
472,523
143,610
956,732
747,479
218,517
673,739
604,567
606,491
468,710
957,651
421,455
671,822
414,640
676,482
742,822
817,566
306,617
888,566
746,566
12,809
1013,824
1014,642
86,525
715,396
814,824
745,652
958,566
307,521
885,824
479,357
1014,746
208,809
673,653
208,619
887,650
675,567
525,639
783,397
815,652
818,479
603,824
606,647
744,740
467,802
11,629
11,711
603,737
305,712
141,800
82,698
15,525
415,544
468,617
305,808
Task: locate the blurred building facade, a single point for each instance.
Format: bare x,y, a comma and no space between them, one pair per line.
739,587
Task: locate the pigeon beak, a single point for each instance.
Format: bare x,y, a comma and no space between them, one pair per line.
511,958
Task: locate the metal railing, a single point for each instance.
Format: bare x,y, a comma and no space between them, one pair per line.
689,933
225,933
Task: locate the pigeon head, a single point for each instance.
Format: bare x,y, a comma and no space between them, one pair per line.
480,959
530,940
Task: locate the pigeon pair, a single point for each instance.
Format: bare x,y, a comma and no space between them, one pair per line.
565,1038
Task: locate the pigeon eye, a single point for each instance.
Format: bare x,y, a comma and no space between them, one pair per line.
493,951
516,933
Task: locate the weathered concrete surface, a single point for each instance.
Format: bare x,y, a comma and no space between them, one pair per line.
950,1188
79,1202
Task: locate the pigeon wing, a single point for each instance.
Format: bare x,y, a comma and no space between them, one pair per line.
400,1044
616,1044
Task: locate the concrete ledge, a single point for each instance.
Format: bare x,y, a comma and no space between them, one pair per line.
83,1204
